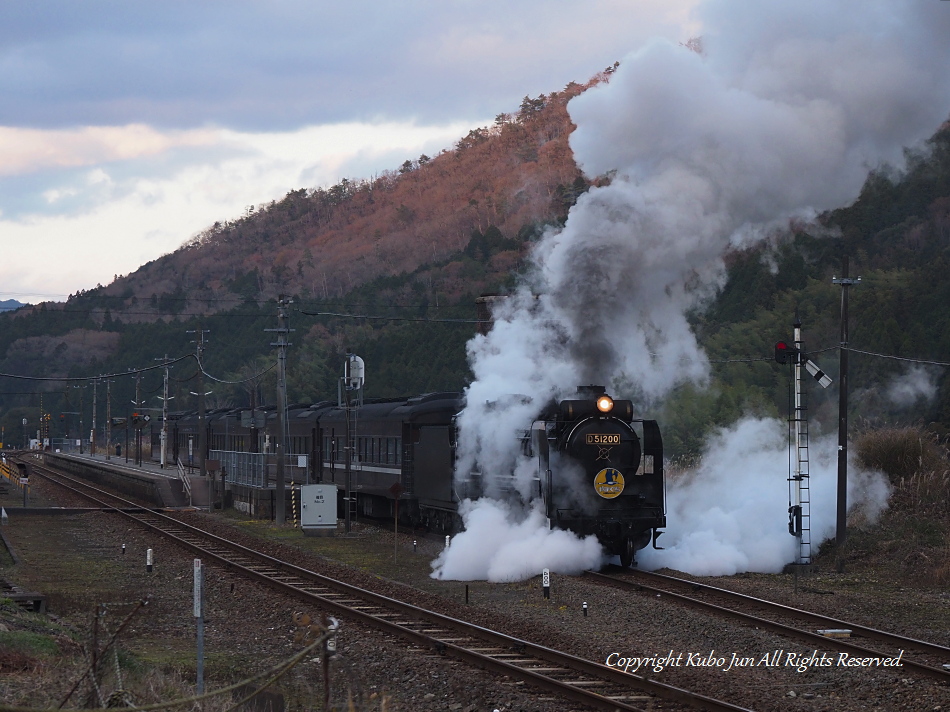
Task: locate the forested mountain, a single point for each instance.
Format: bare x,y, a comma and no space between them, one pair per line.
390,267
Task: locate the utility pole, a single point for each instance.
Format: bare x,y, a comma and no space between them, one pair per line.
165,399
92,439
202,430
280,513
108,418
138,431
841,530
82,391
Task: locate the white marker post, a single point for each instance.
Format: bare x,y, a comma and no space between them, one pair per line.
546,582
148,560
200,623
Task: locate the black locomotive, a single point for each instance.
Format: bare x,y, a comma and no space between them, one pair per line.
600,470
597,475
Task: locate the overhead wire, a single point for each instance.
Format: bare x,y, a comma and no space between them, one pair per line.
898,358
100,376
370,317
246,380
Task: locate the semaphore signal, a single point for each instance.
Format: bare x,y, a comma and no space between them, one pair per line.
784,353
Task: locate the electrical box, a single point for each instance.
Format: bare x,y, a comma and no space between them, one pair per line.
318,509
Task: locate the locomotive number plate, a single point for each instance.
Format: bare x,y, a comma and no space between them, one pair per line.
599,439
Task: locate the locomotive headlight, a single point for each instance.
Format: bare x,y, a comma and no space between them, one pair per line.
605,404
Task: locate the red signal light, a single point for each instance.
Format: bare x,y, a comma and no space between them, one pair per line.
784,352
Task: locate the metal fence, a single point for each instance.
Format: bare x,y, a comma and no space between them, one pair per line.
257,469
243,468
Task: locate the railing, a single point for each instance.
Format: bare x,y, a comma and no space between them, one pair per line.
294,471
184,479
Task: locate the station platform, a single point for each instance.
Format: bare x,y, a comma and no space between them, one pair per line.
165,487
148,481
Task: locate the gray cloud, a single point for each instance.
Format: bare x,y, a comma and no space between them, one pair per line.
285,64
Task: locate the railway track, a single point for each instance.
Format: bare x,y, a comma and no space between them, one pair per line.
787,621
581,681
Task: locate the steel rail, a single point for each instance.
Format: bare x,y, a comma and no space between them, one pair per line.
296,581
815,639
862,631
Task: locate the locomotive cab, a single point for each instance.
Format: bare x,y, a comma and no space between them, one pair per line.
601,472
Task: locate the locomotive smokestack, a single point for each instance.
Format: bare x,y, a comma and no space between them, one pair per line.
590,391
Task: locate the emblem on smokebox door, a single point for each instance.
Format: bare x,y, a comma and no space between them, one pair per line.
608,483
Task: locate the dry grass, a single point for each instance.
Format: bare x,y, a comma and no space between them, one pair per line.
900,452
39,664
914,533
915,462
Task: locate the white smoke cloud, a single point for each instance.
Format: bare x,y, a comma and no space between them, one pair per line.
780,117
918,383
730,514
505,543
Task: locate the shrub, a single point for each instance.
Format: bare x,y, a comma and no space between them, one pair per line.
900,453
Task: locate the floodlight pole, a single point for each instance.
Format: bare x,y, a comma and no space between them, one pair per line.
841,530
351,384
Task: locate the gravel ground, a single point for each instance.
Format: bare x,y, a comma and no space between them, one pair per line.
250,628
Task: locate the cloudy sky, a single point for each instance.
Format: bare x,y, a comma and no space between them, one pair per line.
127,127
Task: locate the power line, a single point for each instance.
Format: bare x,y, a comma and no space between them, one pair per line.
394,318
246,380
740,360
835,348
92,378
900,358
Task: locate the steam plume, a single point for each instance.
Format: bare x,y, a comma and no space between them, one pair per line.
780,117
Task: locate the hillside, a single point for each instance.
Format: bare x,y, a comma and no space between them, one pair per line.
390,268
323,243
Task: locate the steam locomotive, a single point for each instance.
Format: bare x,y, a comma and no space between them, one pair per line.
600,470
597,475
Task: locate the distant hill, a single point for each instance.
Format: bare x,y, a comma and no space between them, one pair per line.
516,175
10,305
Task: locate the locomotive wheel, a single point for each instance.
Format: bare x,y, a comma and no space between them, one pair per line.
628,552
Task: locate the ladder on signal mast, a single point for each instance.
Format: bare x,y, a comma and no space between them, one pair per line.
799,480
